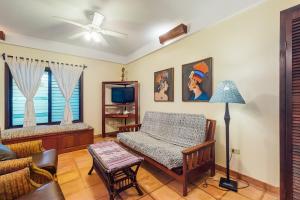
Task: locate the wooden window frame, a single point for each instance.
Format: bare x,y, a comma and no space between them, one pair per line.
8,99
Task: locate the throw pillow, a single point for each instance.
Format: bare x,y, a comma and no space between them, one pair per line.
6,153
15,184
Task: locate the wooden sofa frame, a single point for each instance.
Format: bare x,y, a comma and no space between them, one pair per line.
196,159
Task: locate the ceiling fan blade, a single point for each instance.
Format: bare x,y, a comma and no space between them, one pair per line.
98,19
71,22
112,33
77,35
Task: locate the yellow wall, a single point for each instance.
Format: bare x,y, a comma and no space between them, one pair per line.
96,72
245,49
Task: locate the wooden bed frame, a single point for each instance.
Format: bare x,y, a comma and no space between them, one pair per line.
196,159
61,141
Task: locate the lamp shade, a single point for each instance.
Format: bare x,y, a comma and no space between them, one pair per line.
227,92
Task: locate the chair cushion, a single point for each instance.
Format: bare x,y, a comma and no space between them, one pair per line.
50,191
165,153
41,130
46,160
112,156
15,184
185,130
6,153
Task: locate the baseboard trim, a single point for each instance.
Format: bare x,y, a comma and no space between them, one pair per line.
252,181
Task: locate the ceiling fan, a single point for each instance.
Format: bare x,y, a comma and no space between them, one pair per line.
93,31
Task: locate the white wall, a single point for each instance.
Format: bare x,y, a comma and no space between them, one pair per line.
96,72
245,49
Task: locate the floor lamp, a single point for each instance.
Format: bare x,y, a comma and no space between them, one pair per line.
227,92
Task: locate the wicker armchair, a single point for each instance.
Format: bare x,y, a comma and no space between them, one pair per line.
21,179
16,184
44,159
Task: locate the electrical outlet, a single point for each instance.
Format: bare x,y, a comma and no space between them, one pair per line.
235,151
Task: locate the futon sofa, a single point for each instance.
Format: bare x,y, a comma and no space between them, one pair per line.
182,145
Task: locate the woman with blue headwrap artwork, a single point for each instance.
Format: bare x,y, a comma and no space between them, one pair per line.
195,82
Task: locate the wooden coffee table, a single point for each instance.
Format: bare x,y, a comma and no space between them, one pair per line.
116,167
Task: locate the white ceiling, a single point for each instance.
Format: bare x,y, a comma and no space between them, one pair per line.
142,20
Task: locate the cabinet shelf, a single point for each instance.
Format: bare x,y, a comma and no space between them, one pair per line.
119,116
119,104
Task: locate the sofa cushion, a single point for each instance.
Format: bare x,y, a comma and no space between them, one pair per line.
41,130
15,184
176,128
165,153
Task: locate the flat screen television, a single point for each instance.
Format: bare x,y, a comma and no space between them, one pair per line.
122,94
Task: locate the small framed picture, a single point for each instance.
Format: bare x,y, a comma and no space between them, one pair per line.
164,85
197,81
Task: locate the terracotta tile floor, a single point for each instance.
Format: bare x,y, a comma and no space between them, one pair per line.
77,184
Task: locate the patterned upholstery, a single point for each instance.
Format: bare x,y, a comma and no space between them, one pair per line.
38,175
25,149
165,153
40,130
112,156
15,184
9,166
176,128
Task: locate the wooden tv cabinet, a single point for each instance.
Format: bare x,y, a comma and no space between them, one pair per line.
61,141
134,106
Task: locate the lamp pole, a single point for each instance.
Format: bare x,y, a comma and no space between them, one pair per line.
226,182
227,121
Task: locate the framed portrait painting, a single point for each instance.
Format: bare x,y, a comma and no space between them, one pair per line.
164,85
197,81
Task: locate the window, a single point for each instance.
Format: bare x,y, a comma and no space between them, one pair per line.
49,102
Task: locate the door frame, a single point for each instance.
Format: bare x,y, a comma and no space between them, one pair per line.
285,104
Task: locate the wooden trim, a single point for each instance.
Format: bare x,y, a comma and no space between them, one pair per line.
81,117
7,96
250,180
120,82
130,128
179,30
103,109
49,96
286,100
193,149
2,35
282,100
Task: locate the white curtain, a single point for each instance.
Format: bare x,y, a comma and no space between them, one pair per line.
27,74
67,77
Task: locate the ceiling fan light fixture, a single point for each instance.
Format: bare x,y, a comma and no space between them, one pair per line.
95,37
88,36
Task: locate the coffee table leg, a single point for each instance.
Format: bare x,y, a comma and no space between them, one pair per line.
137,187
91,170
